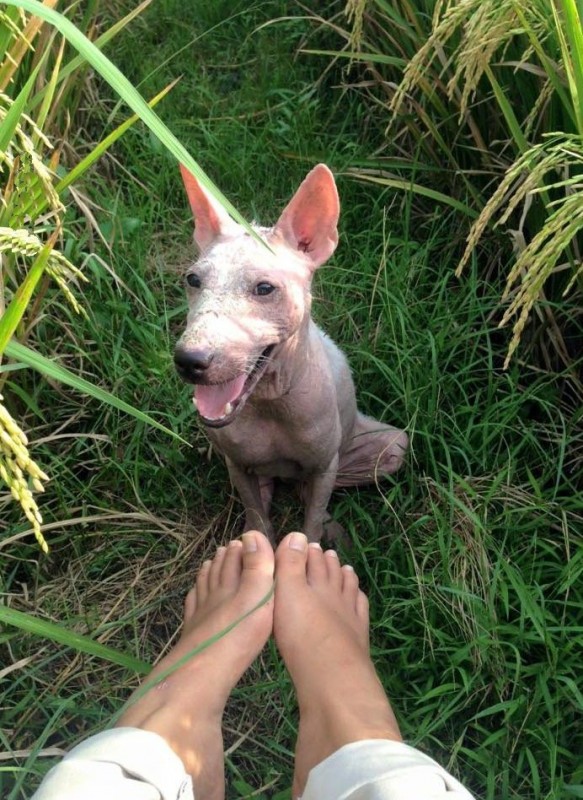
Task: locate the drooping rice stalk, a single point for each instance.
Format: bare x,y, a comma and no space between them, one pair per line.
21,242
17,468
491,96
28,204
531,175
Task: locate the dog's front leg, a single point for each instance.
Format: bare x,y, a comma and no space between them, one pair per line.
256,510
318,490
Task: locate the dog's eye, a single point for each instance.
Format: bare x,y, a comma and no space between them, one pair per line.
193,280
263,288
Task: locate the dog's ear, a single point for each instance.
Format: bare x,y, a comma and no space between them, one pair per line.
308,222
210,219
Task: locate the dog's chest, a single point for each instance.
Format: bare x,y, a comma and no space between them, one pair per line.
276,444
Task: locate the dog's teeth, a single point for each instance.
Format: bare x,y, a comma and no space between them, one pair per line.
228,409
194,403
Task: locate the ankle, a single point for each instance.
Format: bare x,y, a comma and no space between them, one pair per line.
367,715
332,728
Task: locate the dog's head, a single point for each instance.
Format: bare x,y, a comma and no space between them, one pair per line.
248,299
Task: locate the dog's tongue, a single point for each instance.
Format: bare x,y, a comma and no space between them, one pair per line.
211,400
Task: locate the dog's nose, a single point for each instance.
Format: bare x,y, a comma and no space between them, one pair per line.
191,364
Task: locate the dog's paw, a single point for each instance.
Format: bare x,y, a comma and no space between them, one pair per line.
334,534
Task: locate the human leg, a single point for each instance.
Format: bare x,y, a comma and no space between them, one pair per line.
321,630
186,707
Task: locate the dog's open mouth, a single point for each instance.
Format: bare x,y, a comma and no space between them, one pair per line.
218,404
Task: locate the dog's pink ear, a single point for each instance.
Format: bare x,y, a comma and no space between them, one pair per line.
308,222
210,219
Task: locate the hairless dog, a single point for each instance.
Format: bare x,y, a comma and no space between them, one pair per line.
274,393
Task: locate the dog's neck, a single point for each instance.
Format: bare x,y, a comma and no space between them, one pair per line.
288,366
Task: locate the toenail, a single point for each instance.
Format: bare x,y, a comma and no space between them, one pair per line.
331,553
315,545
348,567
249,543
298,541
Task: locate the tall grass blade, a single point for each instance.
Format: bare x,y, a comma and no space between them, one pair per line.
77,641
16,110
50,93
552,70
21,45
507,110
571,40
18,305
24,772
355,55
100,42
398,183
104,145
47,367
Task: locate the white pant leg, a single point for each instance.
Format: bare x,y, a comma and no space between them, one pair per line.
380,769
118,764
131,764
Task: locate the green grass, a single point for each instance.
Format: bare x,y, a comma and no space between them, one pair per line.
471,556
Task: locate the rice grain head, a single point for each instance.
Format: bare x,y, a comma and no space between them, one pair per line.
23,243
354,12
17,468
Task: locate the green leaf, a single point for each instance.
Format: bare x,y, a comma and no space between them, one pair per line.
13,314
100,42
356,55
398,183
15,111
83,644
50,93
53,370
508,111
569,31
106,143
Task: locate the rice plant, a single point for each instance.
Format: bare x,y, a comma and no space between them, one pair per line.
486,94
29,207
551,34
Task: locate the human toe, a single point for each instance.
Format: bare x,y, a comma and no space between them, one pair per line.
216,568
291,558
362,611
190,604
202,582
257,560
349,584
232,565
333,569
316,570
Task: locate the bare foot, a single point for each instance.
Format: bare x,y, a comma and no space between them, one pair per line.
186,707
321,630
